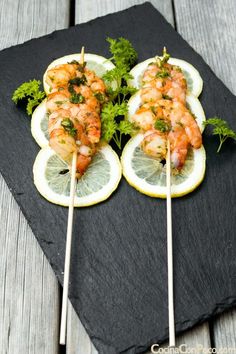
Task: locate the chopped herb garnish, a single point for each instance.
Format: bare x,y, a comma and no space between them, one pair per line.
78,81
162,125
161,61
166,97
220,128
68,125
77,98
60,102
163,74
100,96
73,62
153,109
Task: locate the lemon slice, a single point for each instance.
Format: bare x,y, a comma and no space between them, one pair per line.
192,76
52,178
39,125
94,62
193,104
148,175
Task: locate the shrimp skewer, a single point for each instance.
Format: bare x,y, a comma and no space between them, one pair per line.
163,104
68,242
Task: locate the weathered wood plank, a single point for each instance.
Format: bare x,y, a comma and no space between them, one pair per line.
195,338
23,20
209,27
224,330
29,296
29,293
88,10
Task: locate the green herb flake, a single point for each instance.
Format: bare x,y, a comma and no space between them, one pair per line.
68,125
162,74
78,81
162,125
166,97
100,96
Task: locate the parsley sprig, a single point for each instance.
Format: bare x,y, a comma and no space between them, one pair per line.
114,119
220,128
29,91
123,53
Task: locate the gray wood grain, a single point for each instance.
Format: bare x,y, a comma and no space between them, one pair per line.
198,337
224,330
29,293
88,10
29,296
23,20
209,27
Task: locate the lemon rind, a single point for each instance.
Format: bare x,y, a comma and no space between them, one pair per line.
36,120
160,191
98,197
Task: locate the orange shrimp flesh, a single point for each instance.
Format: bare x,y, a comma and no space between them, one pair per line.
163,114
73,108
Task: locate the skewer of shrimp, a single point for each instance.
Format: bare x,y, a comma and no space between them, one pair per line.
69,240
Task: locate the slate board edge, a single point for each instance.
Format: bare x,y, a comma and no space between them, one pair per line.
228,302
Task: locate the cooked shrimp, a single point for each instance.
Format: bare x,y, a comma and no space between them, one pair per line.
178,146
144,118
73,108
60,75
58,100
90,121
168,79
150,94
94,82
180,116
154,144
88,97
62,143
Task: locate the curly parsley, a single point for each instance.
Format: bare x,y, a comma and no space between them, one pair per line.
111,128
29,91
123,53
220,128
114,119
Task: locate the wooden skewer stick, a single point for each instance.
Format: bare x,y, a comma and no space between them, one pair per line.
69,241
170,251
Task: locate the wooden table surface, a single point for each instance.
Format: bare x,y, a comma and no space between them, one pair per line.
29,293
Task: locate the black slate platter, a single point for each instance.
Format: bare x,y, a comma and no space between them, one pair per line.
118,270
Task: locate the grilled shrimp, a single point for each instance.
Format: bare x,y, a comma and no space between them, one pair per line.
91,122
58,100
60,75
180,116
155,144
66,144
168,80
73,107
